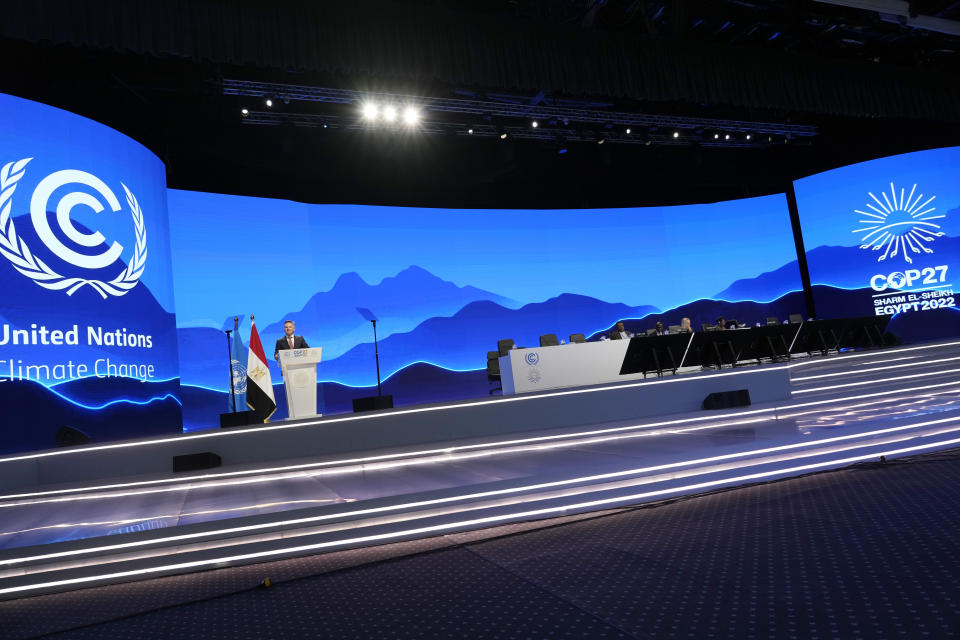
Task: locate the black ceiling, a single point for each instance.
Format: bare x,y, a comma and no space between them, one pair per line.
153,70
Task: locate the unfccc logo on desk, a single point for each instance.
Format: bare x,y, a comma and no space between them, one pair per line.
901,225
30,265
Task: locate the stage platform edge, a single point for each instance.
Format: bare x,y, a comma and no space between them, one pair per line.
397,429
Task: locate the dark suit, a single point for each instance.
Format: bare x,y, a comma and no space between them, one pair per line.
298,343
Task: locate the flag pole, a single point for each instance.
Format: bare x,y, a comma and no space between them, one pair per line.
233,393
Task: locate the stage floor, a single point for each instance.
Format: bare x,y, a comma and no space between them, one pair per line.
843,408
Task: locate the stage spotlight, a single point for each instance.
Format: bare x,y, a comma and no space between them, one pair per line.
244,112
389,113
411,116
370,111
503,136
601,140
676,134
470,131
268,102
534,124
749,136
769,138
628,131
726,137
716,136
648,143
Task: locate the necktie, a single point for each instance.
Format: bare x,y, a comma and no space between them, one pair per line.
290,341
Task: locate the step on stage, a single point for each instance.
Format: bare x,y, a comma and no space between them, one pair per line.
96,514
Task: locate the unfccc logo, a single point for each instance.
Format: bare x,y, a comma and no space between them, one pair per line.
27,263
901,225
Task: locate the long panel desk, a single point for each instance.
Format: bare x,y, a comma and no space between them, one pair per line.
591,363
575,365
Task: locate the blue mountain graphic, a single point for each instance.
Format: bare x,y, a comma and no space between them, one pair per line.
845,267
401,302
461,342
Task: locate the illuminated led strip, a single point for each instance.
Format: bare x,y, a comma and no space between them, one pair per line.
473,523
506,491
863,382
448,452
861,371
867,354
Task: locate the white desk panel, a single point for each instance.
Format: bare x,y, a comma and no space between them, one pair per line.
565,365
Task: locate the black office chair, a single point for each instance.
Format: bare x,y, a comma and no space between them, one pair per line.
674,328
771,320
504,346
708,327
651,332
795,318
493,369
549,340
577,338
732,323
615,335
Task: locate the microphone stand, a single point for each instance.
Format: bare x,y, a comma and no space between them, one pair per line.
376,355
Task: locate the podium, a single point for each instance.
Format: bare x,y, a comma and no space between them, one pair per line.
299,367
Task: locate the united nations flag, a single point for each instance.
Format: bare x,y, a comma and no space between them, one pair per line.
238,367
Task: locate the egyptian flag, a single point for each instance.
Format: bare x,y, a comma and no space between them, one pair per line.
259,387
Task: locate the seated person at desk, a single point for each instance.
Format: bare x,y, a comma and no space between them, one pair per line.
622,331
660,330
685,326
721,324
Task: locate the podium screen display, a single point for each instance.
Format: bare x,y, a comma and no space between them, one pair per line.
87,330
446,284
883,238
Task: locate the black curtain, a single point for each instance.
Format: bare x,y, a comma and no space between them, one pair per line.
399,45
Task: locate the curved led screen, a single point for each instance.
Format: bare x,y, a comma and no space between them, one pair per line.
883,238
87,331
446,284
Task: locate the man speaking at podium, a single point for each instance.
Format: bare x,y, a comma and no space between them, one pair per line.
289,341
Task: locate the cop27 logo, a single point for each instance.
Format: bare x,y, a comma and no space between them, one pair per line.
30,265
900,225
